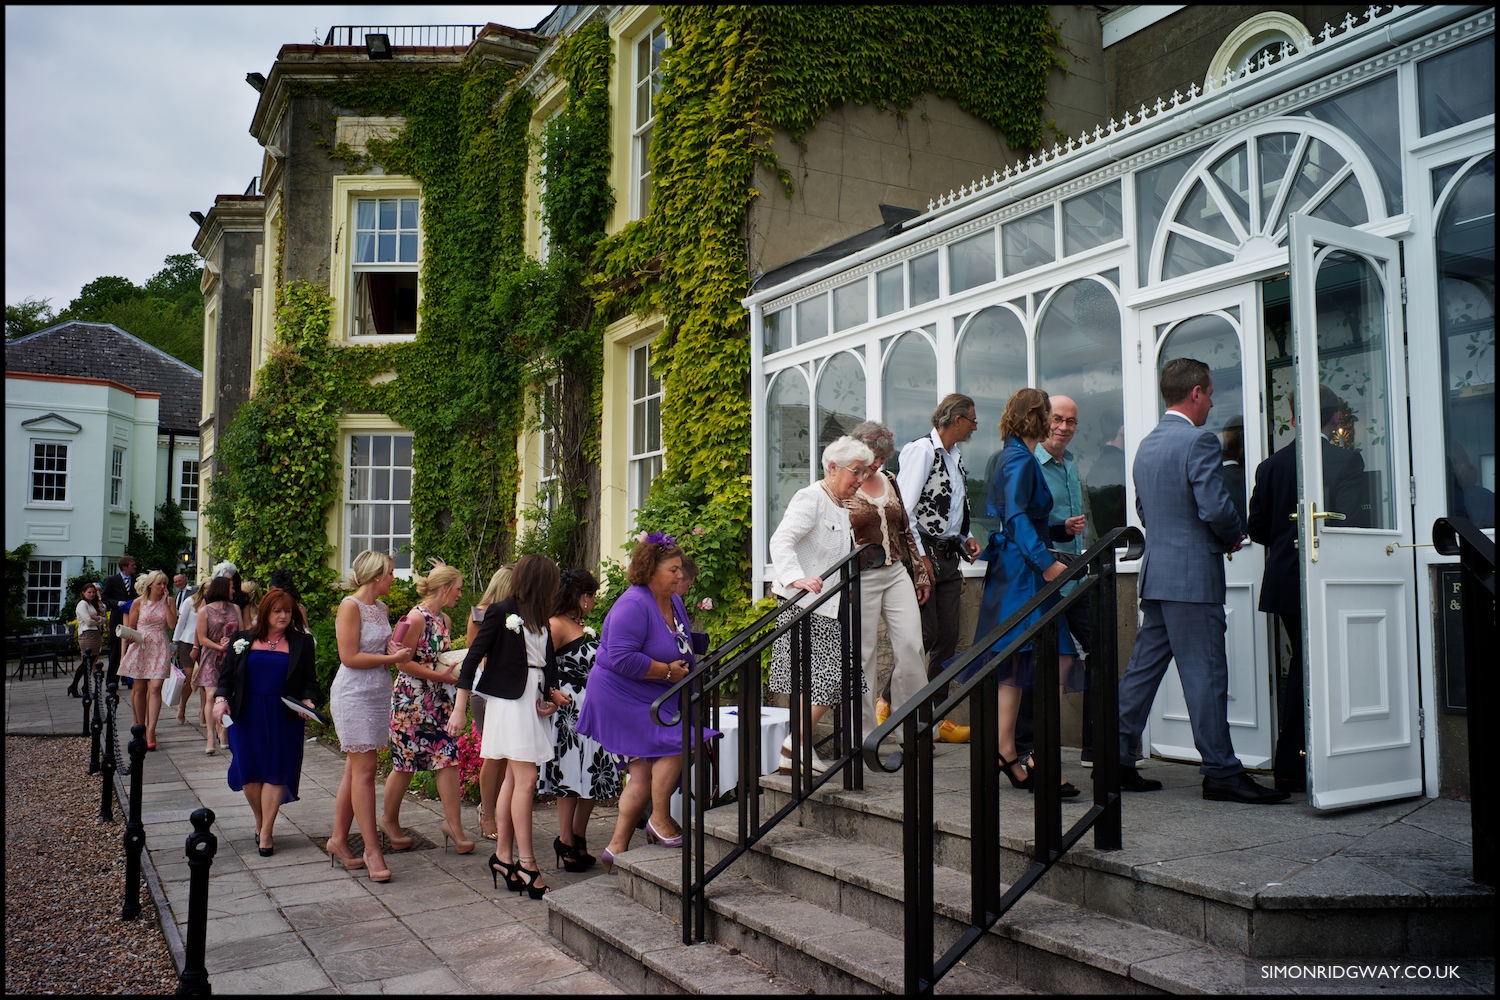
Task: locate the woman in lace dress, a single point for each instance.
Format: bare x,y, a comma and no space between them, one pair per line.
421,703
149,658
360,701
218,621
580,770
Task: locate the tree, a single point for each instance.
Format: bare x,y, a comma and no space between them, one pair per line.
28,316
17,563
159,547
167,312
179,282
95,299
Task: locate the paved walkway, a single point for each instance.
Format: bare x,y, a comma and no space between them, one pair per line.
291,923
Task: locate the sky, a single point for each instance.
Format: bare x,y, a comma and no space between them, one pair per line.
119,121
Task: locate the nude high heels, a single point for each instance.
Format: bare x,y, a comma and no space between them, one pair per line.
397,843
460,846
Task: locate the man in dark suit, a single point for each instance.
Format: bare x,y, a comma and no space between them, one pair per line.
1270,524
1189,524
1232,437
118,589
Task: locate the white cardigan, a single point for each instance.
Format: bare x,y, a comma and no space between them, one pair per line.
813,535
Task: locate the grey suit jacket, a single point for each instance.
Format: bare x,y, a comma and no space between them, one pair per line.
1186,512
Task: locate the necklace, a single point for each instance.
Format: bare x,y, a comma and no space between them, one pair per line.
575,618
271,644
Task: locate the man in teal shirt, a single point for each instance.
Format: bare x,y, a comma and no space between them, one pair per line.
1069,507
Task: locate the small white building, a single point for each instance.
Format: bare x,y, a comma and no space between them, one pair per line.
97,423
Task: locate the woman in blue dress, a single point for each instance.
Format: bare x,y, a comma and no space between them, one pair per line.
262,665
1019,565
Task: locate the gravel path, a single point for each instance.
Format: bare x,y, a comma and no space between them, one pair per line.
65,882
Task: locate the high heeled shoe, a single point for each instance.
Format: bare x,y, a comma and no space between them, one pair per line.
1069,790
581,848
528,878
377,874
657,838
607,860
459,846
1005,769
790,759
487,826
567,856
508,869
341,853
397,843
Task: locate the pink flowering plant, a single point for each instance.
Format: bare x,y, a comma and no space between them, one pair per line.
469,762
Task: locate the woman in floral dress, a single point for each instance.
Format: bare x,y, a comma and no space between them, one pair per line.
149,658
218,621
580,770
421,703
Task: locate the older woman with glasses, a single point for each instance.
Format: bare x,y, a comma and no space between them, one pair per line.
894,589
813,536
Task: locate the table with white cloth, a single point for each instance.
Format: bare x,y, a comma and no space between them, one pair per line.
775,726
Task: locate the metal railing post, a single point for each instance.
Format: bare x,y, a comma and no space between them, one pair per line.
135,830
1104,689
93,695
202,845
106,795
1046,778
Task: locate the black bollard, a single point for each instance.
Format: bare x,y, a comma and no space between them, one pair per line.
135,830
93,700
106,797
85,678
202,845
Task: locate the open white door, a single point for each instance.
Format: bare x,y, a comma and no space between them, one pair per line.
1222,329
1358,592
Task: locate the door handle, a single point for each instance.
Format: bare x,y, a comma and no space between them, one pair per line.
1316,515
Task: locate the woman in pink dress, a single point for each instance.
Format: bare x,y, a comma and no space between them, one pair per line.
218,620
149,658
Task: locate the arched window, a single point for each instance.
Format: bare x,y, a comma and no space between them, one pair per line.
1078,355
841,397
1262,36
909,385
788,451
991,365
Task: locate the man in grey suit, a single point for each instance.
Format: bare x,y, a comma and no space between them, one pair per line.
1189,523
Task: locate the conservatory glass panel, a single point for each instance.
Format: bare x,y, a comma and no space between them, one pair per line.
1368,115
1201,212
1457,86
1232,173
890,291
971,262
812,319
788,455
909,388
1319,163
1153,186
991,367
1091,220
777,330
841,398
924,278
851,305
1029,241
1184,256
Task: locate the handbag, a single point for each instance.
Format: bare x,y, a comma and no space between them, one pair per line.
172,687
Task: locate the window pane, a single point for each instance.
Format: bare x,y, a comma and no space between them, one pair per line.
1367,115
778,330
364,248
1028,241
364,213
812,319
400,484
385,248
991,366
359,519
1319,163
1457,86
408,213
851,305
1201,212
638,443
408,248
653,424
380,519
1345,206
1466,268
1232,173
401,519
788,453
1275,154
889,291
387,213
638,372
1153,187
924,278
1214,341
402,443
380,484
841,398
381,453
909,388
1091,220
971,262
1184,256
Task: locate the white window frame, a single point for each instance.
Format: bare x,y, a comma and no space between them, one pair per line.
117,468
52,585
188,480
640,130
348,192
640,354
33,472
348,502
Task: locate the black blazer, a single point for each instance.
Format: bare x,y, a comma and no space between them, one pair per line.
1270,524
115,590
301,676
504,653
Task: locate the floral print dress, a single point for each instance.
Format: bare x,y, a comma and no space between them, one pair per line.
420,708
580,767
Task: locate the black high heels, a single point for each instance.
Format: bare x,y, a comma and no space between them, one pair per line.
508,869
528,878
1005,769
567,856
581,848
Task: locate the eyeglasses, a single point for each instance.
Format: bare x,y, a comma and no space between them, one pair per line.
970,418
1067,421
860,474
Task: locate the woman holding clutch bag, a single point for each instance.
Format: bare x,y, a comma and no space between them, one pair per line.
149,657
264,665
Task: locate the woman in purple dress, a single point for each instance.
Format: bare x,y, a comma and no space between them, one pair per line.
645,648
263,665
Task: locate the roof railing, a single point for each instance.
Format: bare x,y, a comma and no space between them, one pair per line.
410,34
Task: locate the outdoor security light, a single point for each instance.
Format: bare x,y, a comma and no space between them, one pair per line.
378,46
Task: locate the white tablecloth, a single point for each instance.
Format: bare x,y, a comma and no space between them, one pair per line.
775,726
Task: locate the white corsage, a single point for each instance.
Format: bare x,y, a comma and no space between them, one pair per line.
513,622
240,645
589,631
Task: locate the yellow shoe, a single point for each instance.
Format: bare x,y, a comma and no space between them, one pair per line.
882,711
950,733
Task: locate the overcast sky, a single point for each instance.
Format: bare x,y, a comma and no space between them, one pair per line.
119,121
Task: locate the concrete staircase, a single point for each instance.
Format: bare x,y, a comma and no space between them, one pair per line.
1203,896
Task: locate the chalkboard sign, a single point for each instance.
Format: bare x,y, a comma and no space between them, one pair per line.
1447,594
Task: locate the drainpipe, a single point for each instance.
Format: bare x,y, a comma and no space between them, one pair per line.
171,446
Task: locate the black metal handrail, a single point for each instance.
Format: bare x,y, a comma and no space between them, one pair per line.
739,660
1094,573
405,34
1476,559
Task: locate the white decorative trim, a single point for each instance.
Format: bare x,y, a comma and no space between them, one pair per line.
1253,33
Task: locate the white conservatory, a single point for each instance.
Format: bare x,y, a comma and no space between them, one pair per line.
1325,216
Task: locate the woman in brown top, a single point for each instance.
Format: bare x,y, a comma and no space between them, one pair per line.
878,516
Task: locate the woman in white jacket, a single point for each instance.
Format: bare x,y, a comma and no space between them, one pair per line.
813,536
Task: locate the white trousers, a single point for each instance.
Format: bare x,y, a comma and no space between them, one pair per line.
888,592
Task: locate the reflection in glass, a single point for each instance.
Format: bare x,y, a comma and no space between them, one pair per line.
1457,86
1028,241
778,330
851,305
1078,354
812,319
1358,463
924,278
1214,340
909,388
788,457
890,291
1368,115
1092,219
1153,186
971,262
991,365
1466,270
841,397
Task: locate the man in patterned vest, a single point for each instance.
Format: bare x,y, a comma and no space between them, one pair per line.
934,486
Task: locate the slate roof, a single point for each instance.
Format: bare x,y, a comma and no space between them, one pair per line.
104,351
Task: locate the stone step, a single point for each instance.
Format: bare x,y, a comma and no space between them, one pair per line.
1235,900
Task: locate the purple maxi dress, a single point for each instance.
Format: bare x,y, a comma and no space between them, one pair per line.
617,712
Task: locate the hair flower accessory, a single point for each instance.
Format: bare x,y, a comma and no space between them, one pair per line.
240,645
660,538
513,622
588,630
707,604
